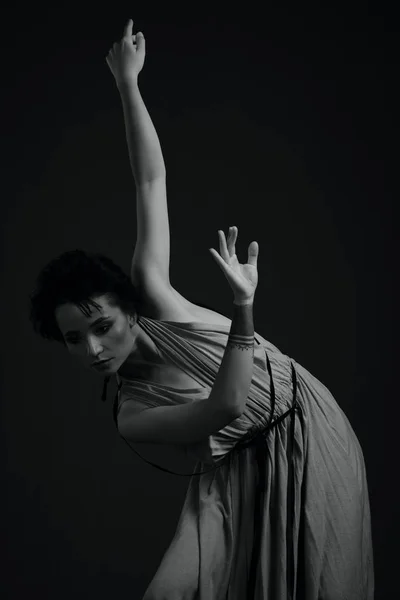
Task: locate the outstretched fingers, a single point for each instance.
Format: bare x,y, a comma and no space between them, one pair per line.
222,263
223,248
227,247
253,254
233,233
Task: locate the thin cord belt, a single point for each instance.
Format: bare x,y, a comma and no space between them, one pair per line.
260,443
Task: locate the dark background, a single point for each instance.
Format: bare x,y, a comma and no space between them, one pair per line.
276,121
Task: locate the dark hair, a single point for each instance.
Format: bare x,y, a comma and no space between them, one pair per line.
76,277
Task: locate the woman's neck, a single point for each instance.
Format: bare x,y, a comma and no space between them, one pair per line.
144,355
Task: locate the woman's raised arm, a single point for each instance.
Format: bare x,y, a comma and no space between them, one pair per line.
152,249
144,147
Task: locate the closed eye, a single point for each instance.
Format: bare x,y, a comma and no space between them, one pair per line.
106,327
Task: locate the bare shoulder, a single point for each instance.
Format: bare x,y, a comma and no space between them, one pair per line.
158,299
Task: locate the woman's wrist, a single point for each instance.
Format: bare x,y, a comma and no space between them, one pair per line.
242,322
242,302
127,84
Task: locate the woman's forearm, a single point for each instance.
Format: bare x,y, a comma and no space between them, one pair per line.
144,147
232,383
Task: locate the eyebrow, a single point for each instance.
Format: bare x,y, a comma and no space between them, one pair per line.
96,322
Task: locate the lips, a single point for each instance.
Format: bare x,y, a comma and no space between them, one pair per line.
102,362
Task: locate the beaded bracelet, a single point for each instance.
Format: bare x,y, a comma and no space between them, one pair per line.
243,342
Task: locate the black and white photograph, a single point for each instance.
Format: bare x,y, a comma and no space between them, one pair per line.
199,269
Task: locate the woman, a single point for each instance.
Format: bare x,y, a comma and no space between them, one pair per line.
278,505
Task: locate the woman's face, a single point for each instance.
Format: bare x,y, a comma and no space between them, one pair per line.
106,334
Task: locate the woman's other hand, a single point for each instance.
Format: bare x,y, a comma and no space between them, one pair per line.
243,279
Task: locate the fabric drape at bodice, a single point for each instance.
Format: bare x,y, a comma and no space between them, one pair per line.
198,349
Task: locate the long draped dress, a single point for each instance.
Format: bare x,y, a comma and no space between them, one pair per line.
277,506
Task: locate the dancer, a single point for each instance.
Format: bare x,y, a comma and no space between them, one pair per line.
278,505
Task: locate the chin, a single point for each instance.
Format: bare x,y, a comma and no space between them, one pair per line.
112,368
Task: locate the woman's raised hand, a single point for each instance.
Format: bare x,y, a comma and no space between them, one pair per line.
126,58
243,279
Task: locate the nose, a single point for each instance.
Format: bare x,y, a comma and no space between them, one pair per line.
95,350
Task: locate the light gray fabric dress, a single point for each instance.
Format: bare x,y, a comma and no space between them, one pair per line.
310,536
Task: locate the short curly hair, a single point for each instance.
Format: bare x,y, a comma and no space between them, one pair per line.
77,277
